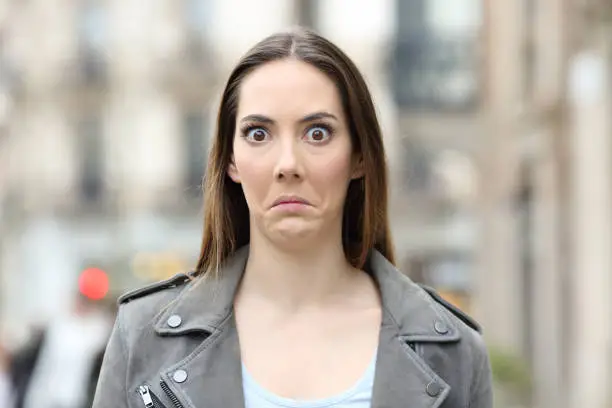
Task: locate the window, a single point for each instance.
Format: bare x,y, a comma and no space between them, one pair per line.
411,17
195,151
416,167
93,41
196,20
435,64
307,11
91,154
196,15
529,51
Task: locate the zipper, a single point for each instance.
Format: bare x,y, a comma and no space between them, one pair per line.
149,399
170,394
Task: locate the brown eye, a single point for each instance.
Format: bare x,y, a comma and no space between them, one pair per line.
318,134
259,135
256,135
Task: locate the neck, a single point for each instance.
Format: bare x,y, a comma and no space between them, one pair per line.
296,278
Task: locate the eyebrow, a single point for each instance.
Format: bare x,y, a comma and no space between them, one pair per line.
308,118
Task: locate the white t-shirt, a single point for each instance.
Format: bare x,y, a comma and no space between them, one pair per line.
358,396
6,398
66,358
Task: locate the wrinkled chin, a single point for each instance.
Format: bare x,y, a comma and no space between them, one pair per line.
294,229
291,232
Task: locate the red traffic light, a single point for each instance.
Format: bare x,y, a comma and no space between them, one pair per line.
93,283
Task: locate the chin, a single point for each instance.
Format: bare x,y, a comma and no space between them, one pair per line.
294,232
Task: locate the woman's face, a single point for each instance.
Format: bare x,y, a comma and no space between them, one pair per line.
292,152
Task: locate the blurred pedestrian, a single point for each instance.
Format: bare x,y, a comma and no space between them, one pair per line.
22,363
295,301
60,365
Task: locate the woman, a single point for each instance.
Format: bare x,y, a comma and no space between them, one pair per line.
295,301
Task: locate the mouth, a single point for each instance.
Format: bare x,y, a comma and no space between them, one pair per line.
286,200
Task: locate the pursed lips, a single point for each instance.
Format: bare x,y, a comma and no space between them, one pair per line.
290,200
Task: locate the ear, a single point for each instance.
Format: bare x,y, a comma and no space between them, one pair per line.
358,168
232,172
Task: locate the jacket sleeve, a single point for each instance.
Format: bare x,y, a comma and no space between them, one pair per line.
481,395
111,391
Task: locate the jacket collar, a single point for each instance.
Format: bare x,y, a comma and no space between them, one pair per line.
206,303
409,314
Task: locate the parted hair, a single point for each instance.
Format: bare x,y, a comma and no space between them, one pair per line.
365,219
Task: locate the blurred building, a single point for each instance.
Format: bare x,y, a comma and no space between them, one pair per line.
106,145
500,176
111,107
544,272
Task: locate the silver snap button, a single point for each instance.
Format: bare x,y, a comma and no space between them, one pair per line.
174,321
433,389
440,327
179,376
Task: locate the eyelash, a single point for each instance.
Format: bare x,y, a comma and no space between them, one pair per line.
245,129
329,129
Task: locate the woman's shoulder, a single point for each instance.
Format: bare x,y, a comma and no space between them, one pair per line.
146,302
459,316
465,328
176,281
463,362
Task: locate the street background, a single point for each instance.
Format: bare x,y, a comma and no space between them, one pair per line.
496,118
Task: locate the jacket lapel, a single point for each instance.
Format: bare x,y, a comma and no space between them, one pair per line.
402,378
410,317
212,374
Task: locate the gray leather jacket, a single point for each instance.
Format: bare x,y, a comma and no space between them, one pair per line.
175,345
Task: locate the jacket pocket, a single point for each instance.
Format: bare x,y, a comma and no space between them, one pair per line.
150,400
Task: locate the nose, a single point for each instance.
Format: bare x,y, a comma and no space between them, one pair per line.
288,166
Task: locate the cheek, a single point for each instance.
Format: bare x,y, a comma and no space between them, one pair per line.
333,175
255,175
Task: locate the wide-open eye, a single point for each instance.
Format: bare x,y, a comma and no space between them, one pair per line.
318,134
256,134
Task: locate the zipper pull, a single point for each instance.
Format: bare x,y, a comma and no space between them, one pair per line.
143,390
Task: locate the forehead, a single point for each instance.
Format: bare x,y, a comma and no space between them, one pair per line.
288,87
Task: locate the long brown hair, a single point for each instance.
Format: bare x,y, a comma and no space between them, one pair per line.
226,215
